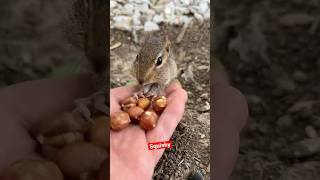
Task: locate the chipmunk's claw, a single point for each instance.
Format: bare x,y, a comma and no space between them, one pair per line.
138,94
92,104
82,106
152,90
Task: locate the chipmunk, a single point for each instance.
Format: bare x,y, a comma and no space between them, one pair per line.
154,66
86,28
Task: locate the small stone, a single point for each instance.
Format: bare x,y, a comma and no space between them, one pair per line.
199,88
284,121
311,132
308,170
199,17
294,19
128,9
253,99
302,148
301,105
158,18
205,107
187,164
122,23
202,67
151,26
286,84
113,4
299,76
205,96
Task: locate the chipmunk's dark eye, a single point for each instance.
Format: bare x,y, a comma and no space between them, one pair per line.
159,61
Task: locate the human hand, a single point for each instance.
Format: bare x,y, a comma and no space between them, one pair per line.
129,154
24,106
230,114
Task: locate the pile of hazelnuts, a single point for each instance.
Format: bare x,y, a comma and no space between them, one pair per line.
141,110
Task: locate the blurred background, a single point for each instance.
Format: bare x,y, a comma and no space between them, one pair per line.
271,52
32,44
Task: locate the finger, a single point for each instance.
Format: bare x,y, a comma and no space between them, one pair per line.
123,92
226,127
40,100
169,119
62,123
173,86
119,94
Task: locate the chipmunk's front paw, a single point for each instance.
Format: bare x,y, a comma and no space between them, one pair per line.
96,103
152,90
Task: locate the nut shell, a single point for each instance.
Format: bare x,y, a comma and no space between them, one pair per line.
159,103
148,120
135,112
144,103
119,120
78,159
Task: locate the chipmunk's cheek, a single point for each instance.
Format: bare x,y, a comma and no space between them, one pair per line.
149,80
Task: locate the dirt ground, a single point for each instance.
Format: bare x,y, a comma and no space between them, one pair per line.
191,138
33,47
271,51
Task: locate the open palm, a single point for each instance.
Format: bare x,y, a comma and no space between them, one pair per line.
130,157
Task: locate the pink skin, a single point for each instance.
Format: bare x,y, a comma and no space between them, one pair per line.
229,117
24,106
129,154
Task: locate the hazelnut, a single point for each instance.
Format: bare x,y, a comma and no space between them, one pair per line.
159,103
129,100
32,169
148,120
126,107
135,112
119,120
143,103
76,159
61,139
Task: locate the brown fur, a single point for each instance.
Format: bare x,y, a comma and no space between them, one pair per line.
145,68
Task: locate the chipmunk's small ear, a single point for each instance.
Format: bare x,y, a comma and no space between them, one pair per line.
167,44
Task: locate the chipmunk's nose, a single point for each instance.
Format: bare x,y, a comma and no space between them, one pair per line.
140,81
